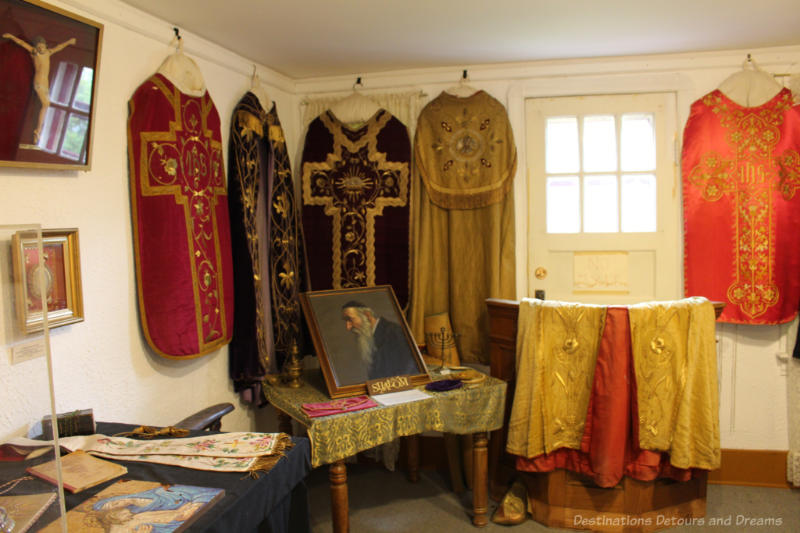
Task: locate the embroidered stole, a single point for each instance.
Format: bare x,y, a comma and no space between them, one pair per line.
556,353
223,452
267,244
675,393
675,362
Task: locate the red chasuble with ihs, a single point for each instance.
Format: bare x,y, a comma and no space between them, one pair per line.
180,220
741,206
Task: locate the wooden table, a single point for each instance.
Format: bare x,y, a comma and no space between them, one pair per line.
474,410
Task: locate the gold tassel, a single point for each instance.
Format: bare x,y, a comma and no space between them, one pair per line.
266,462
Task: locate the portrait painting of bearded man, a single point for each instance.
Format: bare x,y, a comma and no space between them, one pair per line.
360,335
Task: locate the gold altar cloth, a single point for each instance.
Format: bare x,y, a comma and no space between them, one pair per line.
336,437
554,375
674,356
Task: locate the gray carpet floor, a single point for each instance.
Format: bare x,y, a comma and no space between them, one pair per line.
386,502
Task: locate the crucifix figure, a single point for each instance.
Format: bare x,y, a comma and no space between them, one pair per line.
40,54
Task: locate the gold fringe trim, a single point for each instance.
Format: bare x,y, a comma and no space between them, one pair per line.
265,463
150,432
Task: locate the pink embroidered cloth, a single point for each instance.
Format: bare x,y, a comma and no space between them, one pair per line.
223,452
335,407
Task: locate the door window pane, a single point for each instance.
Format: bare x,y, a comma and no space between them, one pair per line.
561,145
638,202
600,205
638,139
599,144
563,204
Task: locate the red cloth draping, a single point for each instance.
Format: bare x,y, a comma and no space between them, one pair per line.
15,92
609,447
181,227
741,171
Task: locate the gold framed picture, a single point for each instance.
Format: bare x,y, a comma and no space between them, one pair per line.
54,282
360,335
50,59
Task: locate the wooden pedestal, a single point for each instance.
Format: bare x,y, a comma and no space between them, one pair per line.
568,500
564,499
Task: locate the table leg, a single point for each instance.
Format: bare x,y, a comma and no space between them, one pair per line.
480,483
284,423
452,449
340,512
412,444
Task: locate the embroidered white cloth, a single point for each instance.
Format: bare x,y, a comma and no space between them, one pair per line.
224,452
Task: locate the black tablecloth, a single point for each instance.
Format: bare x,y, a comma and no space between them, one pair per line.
275,502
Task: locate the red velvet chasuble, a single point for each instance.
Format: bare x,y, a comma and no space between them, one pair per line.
180,220
741,171
355,203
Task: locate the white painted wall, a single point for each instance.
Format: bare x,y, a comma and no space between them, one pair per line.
104,362
753,412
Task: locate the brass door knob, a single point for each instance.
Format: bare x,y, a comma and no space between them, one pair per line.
540,273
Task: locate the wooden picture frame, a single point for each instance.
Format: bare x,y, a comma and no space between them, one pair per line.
62,278
341,323
49,59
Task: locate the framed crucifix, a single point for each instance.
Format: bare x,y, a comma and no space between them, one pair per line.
49,59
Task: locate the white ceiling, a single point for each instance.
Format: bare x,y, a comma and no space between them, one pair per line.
310,38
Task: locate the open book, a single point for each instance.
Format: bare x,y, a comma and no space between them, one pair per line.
79,471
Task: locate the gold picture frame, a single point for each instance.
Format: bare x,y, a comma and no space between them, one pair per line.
50,61
347,364
58,275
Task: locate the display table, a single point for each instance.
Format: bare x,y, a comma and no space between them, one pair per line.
275,502
470,410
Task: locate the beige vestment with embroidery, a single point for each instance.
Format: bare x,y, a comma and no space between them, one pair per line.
675,360
556,353
463,216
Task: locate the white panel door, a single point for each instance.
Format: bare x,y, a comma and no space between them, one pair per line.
604,206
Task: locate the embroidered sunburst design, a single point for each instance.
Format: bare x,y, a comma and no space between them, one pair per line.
352,185
466,139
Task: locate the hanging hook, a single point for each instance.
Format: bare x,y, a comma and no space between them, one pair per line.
357,83
464,75
177,39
